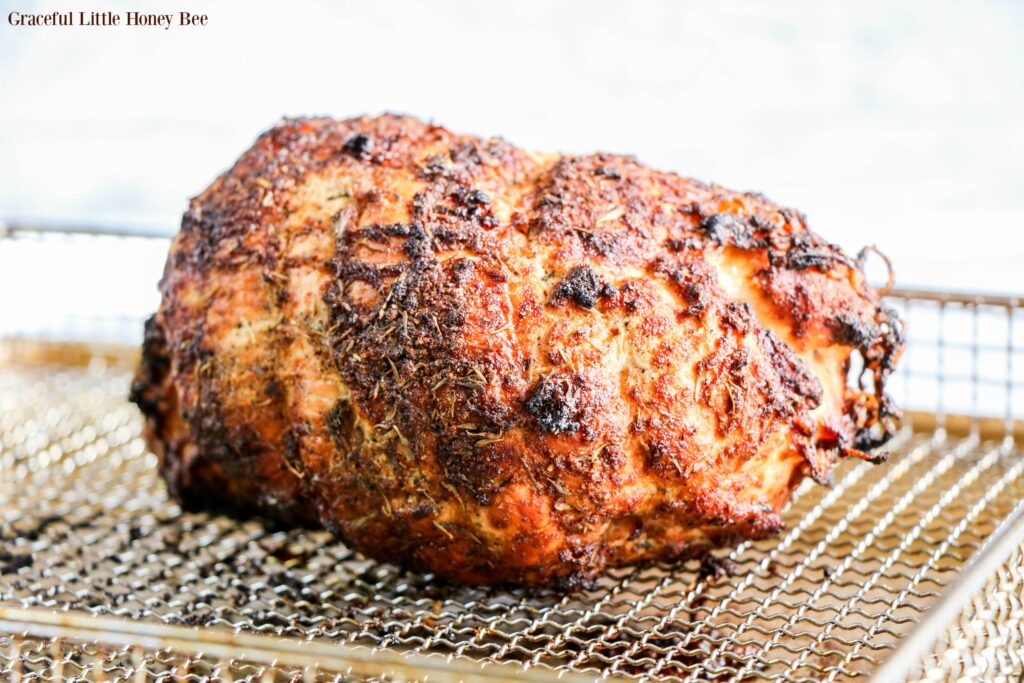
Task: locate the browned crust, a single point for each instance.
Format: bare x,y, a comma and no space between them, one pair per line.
503,367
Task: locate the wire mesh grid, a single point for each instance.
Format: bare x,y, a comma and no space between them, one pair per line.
143,590
986,642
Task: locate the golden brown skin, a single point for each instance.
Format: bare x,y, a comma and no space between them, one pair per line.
499,366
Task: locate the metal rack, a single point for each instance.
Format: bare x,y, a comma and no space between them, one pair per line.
907,571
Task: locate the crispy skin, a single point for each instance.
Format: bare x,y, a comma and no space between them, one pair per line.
499,366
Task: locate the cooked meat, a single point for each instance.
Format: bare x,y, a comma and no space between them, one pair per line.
500,366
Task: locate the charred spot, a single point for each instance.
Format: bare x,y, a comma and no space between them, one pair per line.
694,282
582,285
478,197
417,244
806,251
609,172
421,511
632,297
292,440
472,204
339,422
792,371
737,316
421,203
453,318
760,223
380,232
434,166
726,228
359,145
145,390
892,337
696,297
611,245
464,270
684,244
556,404
807,259
348,270
871,437
849,330
465,153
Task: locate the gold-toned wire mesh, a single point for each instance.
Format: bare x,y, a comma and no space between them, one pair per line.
986,642
86,528
41,659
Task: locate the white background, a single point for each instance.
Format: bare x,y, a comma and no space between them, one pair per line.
896,123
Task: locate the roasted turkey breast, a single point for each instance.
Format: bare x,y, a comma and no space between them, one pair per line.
501,366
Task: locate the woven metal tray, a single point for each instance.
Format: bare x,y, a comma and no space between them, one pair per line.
905,571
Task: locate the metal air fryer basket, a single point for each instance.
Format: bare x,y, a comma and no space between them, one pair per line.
907,571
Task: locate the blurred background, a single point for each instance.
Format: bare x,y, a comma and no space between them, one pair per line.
889,123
